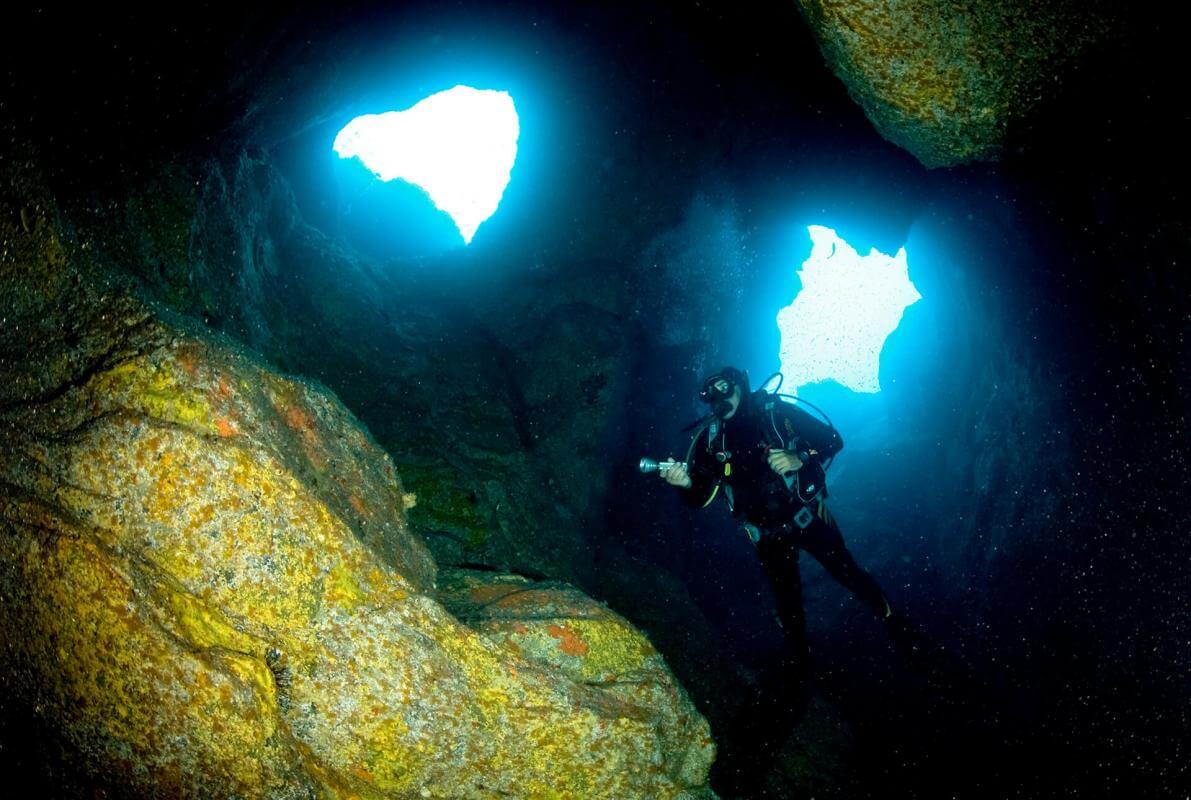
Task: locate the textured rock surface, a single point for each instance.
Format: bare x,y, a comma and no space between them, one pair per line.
210,590
946,80
561,628
492,443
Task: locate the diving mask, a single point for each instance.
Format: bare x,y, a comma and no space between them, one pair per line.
717,392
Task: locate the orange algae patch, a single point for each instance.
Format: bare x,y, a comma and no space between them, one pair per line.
519,598
187,356
303,422
568,641
225,427
299,420
488,593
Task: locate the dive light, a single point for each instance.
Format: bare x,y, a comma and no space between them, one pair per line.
649,465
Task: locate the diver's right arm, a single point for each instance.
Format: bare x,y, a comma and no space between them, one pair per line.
697,483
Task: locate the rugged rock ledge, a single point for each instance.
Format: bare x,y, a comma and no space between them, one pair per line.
209,588
946,80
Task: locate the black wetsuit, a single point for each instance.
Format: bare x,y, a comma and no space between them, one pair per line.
731,458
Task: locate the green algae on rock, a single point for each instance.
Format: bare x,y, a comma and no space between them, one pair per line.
210,589
946,80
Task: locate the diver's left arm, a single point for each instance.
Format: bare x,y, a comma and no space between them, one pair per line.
805,433
784,461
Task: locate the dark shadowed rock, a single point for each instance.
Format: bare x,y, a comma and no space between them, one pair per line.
947,80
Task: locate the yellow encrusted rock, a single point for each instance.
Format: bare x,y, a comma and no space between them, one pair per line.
209,590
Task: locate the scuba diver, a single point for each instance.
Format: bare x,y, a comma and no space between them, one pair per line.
768,458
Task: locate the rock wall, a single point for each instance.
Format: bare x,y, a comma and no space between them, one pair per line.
492,443
946,80
210,588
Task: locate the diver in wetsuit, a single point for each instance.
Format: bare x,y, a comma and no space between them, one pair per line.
766,456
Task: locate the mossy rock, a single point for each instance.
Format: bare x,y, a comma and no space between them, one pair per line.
211,590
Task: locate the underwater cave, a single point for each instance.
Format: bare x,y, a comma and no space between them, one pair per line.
339,344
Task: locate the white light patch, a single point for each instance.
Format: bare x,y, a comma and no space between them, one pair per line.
458,146
848,306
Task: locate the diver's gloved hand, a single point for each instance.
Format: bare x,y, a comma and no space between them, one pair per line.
783,462
676,475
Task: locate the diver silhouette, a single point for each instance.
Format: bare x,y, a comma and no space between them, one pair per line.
767,457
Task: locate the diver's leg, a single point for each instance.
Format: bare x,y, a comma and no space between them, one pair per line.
779,558
770,710
823,540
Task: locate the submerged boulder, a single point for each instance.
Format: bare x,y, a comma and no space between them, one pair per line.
556,626
208,587
946,80
494,440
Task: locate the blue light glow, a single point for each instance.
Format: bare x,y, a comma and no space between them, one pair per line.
458,146
848,306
